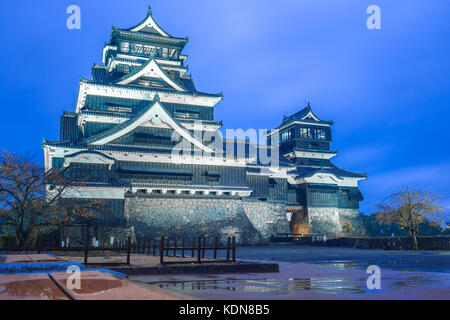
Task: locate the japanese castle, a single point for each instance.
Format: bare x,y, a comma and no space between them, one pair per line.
118,146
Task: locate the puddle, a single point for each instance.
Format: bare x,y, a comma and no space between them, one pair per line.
31,289
335,285
99,286
271,286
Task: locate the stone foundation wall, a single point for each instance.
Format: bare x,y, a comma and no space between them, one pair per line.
269,218
354,217
77,234
325,220
251,222
331,220
120,234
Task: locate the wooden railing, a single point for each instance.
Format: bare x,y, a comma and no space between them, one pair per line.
197,249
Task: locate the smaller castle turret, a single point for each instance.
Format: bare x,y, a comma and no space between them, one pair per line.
327,196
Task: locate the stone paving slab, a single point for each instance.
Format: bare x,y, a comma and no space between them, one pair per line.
29,258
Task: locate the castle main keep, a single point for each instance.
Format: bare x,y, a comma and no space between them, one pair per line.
125,144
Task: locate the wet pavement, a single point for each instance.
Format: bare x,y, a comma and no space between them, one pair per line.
29,287
94,285
307,281
29,258
424,261
322,273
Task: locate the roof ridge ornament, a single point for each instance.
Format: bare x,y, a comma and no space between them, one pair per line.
149,25
156,98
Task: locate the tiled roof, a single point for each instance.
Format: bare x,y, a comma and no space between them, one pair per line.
301,114
136,70
100,74
113,114
68,127
305,172
148,37
202,94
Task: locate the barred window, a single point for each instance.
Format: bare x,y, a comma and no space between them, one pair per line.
149,50
124,46
136,48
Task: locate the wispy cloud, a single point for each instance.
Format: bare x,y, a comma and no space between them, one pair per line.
435,176
363,155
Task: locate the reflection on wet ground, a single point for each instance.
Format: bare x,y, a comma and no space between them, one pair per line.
397,285
94,286
269,286
31,289
34,287
326,279
425,261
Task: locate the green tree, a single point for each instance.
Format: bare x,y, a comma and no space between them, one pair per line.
348,229
409,209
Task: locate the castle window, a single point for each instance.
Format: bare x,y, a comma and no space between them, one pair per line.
124,46
165,52
187,114
320,134
117,108
136,48
149,50
173,54
285,136
144,83
305,133
211,176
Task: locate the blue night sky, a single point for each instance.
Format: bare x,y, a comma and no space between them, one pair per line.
387,91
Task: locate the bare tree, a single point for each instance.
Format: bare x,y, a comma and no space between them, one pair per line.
408,209
30,197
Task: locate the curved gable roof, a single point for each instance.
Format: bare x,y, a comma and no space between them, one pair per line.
156,113
149,25
151,69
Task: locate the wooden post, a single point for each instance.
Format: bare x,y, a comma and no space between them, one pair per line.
154,247
161,251
128,250
182,250
234,249
167,247
149,247
228,249
199,253
193,247
204,246
39,246
86,249
215,248
175,248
